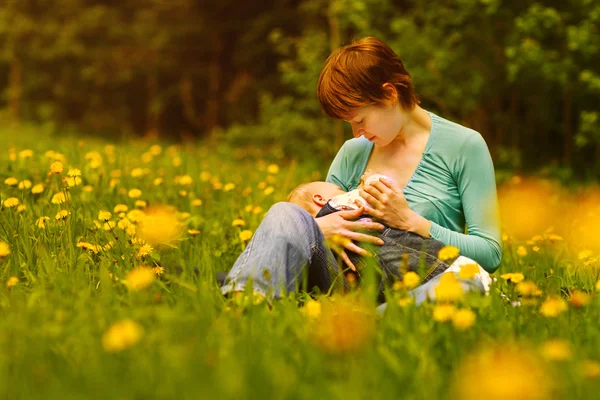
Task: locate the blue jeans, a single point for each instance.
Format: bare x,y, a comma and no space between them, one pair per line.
288,249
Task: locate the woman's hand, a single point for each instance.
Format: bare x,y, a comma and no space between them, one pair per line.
388,204
340,229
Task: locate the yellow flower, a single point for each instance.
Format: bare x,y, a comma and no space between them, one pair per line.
197,203
4,249
104,215
26,184
135,193
62,214
273,169
238,222
25,154
137,172
41,222
448,253
585,254
256,210
598,285
120,208
518,375
72,182
12,282
443,312
590,368
59,198
228,187
56,167
262,185
121,336
269,190
528,289
312,309
556,350
468,271
245,235
449,289
205,176
579,299
94,248
463,319
411,279
140,278
160,226
405,301
37,189
553,306
141,204
185,180
11,202
136,215
248,208
158,270
145,250
521,251
158,181
73,172
193,232
513,277
21,208
11,181
155,150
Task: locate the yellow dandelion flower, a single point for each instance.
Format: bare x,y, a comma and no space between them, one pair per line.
177,161
238,222
41,222
411,279
136,215
553,306
468,271
158,270
183,193
94,248
521,251
245,235
269,190
155,150
109,225
185,180
135,193
131,230
579,299
528,289
37,189
513,277
205,176
463,319
196,202
12,282
443,312
104,215
256,210
73,172
229,187
11,181
11,202
160,225
536,249
397,286
72,182
62,214
21,208
137,172
590,368
449,289
273,169
556,350
193,232
59,198
312,309
140,278
26,184
120,208
56,167
405,301
121,336
145,250
4,249
141,204
248,208
448,253
24,154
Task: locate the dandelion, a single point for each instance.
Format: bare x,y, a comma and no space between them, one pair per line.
193,232
104,215
121,336
448,253
136,215
248,208
196,202
273,169
141,204
528,289
468,271
238,222
140,278
11,181
21,208
205,176
579,299
312,309
37,189
41,222
74,172
120,208
405,301
186,180
443,312
24,185
463,319
72,182
229,187
94,248
158,181
4,249
56,167
59,198
556,350
513,277
137,172
411,279
134,193
144,251
155,150
61,215
553,306
158,270
521,251
245,235
24,154
449,289
160,225
12,282
590,368
177,161
11,202
256,210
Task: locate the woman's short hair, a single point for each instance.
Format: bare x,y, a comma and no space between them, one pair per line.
354,75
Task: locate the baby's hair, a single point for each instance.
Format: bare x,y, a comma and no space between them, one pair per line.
301,194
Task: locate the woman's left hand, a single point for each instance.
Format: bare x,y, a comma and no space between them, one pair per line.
388,205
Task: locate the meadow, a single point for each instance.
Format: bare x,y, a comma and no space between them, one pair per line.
108,258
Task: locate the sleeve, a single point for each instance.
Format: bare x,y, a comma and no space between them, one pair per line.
476,181
338,169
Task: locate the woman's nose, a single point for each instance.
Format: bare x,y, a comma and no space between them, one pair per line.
356,132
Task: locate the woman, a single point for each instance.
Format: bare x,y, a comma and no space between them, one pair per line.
443,174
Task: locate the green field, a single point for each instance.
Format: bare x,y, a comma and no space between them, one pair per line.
76,323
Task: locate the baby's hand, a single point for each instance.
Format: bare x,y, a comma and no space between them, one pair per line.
365,176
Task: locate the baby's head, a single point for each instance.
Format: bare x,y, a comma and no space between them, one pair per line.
313,196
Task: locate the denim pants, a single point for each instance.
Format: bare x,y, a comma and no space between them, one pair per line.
288,249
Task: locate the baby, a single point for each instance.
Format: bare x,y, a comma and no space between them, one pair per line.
402,251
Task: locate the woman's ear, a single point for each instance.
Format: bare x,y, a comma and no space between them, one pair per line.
391,91
319,200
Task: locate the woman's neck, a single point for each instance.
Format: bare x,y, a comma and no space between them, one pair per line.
416,125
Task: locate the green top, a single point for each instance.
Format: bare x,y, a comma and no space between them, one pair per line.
453,186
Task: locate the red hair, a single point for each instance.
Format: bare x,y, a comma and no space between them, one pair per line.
354,75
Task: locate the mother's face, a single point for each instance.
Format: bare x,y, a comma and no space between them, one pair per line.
379,124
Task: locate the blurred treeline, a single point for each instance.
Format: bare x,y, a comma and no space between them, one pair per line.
526,74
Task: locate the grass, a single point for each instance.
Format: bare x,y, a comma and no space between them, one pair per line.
186,341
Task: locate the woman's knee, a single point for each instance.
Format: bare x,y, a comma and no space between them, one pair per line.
285,211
